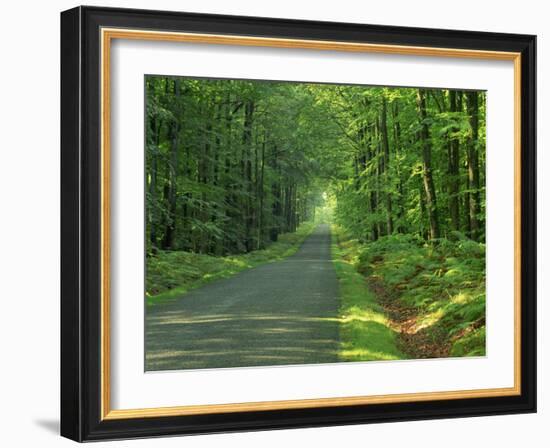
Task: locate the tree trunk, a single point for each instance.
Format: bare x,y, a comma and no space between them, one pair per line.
156,128
429,189
397,140
386,158
453,165
247,173
276,193
473,164
378,179
170,232
230,197
260,194
215,247
373,203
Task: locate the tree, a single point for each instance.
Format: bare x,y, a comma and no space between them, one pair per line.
429,188
232,164
455,104
473,164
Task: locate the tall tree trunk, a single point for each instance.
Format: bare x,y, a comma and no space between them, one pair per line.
276,206
293,208
230,196
260,195
473,164
378,179
170,232
288,207
453,164
215,247
429,189
372,197
422,203
466,208
156,128
203,239
397,140
386,158
247,173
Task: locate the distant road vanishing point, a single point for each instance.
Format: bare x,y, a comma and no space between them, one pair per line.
280,313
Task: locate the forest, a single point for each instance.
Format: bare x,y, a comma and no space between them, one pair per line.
238,172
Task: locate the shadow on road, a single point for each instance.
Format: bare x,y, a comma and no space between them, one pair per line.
277,314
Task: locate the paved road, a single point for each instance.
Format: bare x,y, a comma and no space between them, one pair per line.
275,314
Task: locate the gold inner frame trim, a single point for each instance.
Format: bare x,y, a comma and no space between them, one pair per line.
107,35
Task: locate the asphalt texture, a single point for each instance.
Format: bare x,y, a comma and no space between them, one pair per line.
280,313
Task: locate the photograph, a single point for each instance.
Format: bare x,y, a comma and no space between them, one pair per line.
274,222
292,223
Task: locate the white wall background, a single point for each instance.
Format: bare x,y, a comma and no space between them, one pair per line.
29,228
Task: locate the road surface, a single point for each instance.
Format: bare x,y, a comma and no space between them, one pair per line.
279,313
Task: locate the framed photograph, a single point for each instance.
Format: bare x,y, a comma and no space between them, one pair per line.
272,223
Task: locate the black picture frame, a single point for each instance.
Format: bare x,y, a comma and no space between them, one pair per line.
81,224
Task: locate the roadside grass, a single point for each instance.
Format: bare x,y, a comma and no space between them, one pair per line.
442,283
365,333
170,274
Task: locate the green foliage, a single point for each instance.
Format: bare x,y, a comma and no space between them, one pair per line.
365,333
230,164
444,281
472,344
233,163
233,167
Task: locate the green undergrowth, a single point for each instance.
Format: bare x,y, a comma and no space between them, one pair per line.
444,282
170,274
365,333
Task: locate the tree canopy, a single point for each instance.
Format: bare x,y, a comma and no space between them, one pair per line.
232,164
